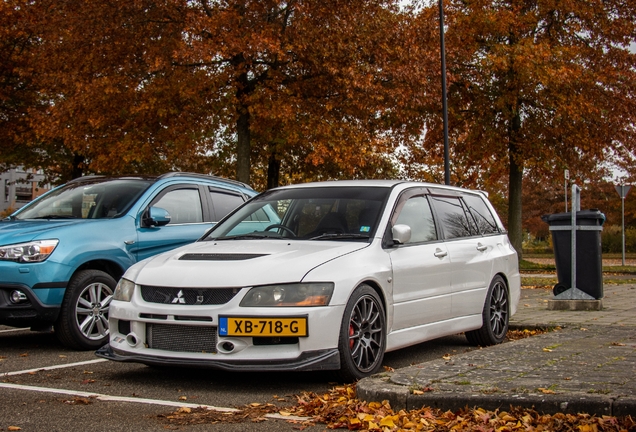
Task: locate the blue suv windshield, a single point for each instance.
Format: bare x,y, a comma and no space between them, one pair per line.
104,199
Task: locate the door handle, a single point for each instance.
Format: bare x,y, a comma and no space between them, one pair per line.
481,247
440,253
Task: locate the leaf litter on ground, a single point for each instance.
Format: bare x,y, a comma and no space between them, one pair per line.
340,409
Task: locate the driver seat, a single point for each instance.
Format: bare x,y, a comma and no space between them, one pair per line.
331,223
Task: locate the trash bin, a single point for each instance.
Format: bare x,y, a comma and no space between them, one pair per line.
589,261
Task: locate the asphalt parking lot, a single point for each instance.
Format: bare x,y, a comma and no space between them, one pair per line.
45,387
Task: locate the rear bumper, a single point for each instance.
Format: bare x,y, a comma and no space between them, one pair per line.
307,361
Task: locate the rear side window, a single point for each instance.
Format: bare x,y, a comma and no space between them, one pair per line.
480,211
224,203
455,220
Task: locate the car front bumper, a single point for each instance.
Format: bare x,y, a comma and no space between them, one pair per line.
328,359
31,312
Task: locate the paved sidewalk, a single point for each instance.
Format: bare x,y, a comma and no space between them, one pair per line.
587,365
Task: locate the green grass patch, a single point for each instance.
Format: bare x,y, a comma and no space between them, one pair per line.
538,281
529,265
619,270
549,282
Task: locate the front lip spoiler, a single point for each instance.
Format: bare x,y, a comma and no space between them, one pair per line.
307,361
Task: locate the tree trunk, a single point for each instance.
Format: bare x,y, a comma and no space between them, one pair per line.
514,205
77,170
243,146
515,181
273,171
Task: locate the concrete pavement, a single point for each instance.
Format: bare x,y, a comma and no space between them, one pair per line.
588,364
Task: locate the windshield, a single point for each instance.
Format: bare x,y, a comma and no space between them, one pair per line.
313,213
104,199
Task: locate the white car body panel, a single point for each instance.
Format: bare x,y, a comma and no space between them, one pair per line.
422,285
282,262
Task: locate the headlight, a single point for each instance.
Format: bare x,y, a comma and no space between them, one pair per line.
35,251
302,294
124,290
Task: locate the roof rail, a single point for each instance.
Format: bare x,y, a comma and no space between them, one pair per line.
84,178
203,176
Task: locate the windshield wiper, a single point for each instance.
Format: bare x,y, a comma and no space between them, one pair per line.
331,236
56,217
253,235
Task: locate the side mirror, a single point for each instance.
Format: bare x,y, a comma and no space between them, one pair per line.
157,216
401,234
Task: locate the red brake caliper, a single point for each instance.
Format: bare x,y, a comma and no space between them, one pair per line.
350,334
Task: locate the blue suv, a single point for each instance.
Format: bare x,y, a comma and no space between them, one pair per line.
62,255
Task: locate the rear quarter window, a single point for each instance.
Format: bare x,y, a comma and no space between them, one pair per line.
224,203
482,215
453,217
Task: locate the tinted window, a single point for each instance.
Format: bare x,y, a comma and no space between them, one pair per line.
455,222
184,206
317,213
416,213
224,203
87,200
480,211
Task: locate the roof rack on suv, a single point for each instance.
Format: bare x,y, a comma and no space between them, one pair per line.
166,175
205,176
84,178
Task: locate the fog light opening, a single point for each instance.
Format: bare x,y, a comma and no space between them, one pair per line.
227,346
17,296
132,339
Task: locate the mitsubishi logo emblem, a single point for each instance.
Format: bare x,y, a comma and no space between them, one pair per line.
179,298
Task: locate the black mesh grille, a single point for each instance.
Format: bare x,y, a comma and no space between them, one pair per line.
188,296
182,338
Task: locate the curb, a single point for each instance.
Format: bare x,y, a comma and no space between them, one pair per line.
377,388
574,370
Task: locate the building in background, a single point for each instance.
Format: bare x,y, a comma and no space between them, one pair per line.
19,186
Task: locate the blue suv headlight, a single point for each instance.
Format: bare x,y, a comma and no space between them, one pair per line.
35,251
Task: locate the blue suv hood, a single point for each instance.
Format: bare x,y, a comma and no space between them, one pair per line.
20,231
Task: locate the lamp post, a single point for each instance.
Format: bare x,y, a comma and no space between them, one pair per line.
623,190
444,103
567,178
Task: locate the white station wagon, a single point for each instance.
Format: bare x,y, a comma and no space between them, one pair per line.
322,276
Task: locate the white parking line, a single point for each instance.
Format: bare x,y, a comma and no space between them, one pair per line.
105,397
109,398
61,366
14,330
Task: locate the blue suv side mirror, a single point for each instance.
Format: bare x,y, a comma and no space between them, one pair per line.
157,217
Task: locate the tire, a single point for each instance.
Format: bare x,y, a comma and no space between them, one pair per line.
495,316
559,288
362,339
83,320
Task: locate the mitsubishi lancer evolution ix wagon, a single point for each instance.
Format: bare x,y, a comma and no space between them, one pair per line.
322,276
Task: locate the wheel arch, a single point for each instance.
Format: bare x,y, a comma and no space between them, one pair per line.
507,282
111,268
376,287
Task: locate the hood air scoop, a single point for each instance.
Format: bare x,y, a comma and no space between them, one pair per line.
219,257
